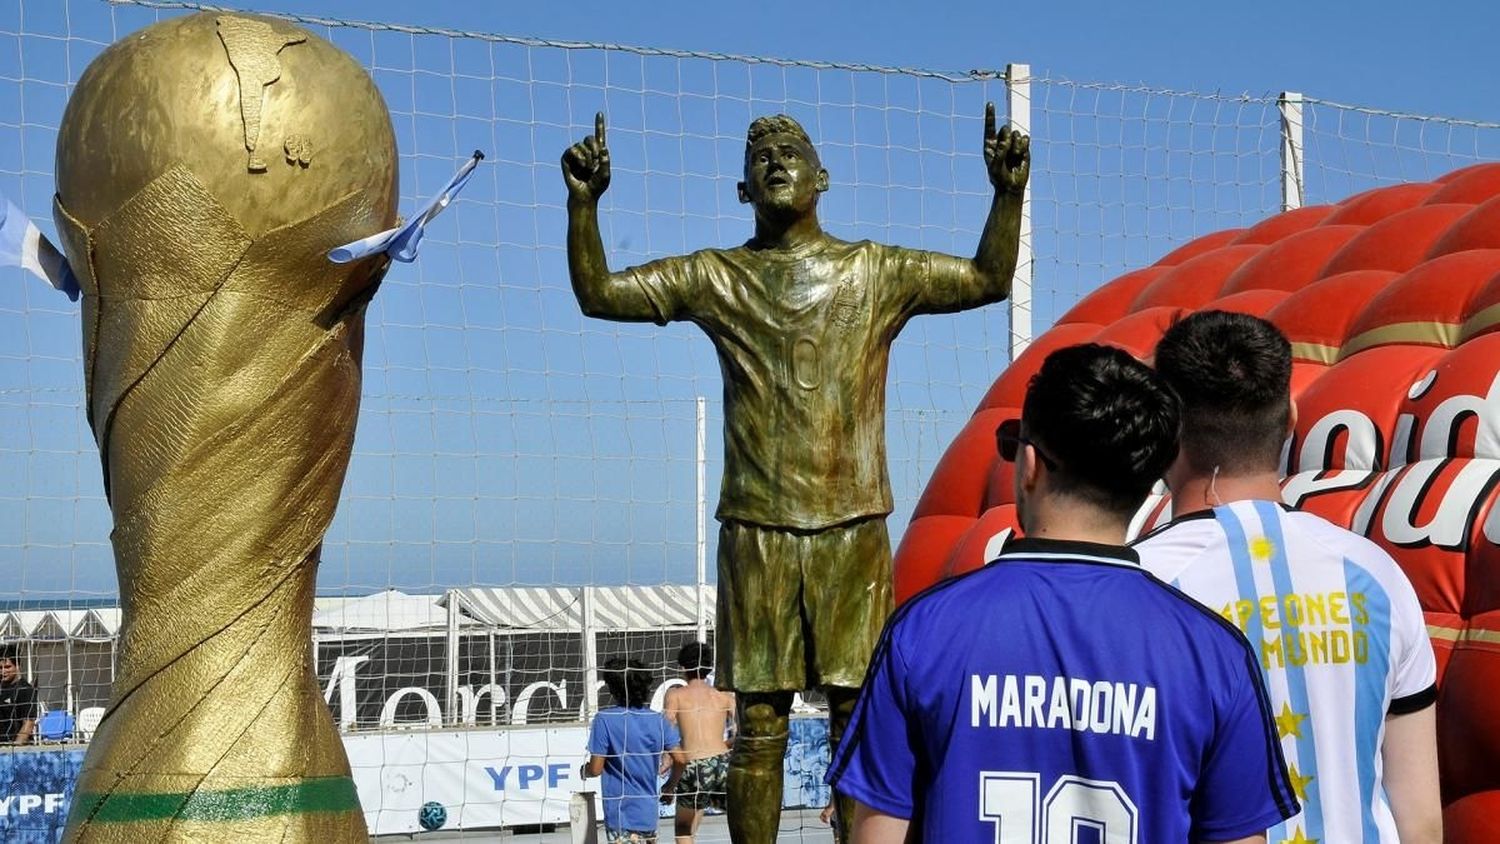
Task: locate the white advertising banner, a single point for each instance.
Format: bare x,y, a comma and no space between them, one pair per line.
481,778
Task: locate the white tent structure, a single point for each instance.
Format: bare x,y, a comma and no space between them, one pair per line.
612,607
67,653
385,612
94,623
588,610
461,644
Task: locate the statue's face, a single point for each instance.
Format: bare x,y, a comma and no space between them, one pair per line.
783,176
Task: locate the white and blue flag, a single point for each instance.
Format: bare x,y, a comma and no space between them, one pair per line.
23,245
401,243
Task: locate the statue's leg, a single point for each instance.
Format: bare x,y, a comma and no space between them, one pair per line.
761,656
847,596
840,708
755,767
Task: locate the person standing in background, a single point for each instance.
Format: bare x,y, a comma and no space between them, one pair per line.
18,707
1337,628
705,717
626,743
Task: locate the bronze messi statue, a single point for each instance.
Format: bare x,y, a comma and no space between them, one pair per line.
803,324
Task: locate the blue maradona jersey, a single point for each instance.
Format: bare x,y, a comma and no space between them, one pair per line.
1063,688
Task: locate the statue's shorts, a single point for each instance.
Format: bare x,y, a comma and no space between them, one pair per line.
800,609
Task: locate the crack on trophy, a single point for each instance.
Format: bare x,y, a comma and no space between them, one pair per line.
253,46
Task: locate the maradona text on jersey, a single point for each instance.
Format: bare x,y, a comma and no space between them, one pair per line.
1062,703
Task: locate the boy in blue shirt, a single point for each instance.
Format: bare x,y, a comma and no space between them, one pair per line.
1062,693
626,744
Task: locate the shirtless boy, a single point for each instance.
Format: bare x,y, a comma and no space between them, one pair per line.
704,715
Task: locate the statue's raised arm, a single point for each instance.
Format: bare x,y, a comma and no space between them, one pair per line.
1007,157
585,167
935,283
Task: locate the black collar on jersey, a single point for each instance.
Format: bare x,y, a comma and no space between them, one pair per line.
1027,547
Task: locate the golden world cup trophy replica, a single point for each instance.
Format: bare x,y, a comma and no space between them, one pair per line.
206,166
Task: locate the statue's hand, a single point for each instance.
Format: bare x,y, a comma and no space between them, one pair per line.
1007,155
585,165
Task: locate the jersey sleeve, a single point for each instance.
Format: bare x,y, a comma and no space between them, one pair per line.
876,762
660,291
933,283
1413,666
598,738
1244,788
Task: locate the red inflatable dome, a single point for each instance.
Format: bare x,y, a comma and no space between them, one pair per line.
1391,300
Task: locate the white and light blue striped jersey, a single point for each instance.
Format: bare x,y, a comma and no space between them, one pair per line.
1341,641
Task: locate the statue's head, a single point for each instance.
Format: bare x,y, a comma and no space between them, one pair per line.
222,131
783,175
775,124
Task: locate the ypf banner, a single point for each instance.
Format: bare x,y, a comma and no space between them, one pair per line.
520,776
482,778
35,789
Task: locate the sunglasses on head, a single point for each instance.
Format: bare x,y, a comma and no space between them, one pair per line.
1009,439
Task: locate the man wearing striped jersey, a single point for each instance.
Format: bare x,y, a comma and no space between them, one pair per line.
1335,624
1062,693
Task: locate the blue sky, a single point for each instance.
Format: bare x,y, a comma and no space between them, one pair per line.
506,439
1427,59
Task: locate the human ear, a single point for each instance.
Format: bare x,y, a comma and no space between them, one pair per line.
1027,467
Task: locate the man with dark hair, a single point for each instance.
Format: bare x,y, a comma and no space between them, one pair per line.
626,743
1233,373
18,707
803,324
1339,634
1062,687
705,716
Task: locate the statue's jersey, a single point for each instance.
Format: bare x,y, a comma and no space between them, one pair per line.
1339,638
1059,688
803,338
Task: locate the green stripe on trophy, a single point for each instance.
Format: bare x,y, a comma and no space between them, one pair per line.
324,794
